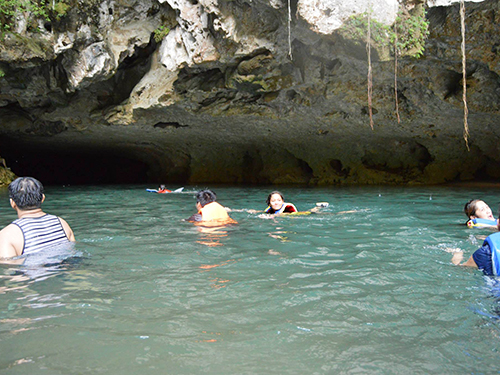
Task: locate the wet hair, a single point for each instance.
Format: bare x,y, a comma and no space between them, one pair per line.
204,197
268,200
26,192
471,207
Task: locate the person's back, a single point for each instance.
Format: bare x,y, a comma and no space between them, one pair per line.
209,211
34,230
40,232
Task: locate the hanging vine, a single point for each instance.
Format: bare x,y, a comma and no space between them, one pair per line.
396,51
370,80
464,75
406,38
289,31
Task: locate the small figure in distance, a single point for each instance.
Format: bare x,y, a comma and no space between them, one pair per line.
479,214
162,190
34,230
210,213
486,258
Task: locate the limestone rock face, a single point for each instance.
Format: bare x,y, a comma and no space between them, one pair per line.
250,91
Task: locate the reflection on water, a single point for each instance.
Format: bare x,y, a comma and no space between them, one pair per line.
364,286
211,236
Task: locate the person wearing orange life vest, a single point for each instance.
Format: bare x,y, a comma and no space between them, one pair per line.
210,212
163,190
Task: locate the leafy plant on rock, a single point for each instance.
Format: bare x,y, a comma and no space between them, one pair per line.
160,33
412,30
30,9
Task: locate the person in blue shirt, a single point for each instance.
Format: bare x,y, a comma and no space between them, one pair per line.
486,258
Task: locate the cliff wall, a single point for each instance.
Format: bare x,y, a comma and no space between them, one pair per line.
249,91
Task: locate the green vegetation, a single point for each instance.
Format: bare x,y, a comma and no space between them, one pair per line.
412,30
2,73
356,27
60,9
34,9
161,33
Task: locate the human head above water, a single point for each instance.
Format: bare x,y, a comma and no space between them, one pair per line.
204,197
277,196
477,209
27,193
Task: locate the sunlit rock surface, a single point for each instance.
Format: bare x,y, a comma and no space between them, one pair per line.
235,92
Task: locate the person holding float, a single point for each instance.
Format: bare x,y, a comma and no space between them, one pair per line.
163,190
276,204
479,214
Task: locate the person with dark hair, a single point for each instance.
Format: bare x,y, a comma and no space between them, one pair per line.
479,214
276,204
163,190
34,230
210,213
486,258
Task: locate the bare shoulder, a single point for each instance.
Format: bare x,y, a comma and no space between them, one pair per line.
11,241
67,230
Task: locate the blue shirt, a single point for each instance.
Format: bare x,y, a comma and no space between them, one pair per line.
482,257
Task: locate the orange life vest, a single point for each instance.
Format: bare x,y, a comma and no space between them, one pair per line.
213,214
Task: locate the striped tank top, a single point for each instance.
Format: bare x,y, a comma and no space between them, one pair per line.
41,232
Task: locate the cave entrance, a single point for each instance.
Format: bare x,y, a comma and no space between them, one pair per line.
73,166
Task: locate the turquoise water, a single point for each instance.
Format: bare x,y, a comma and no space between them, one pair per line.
372,291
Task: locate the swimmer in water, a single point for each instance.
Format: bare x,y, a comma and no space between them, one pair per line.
486,258
479,214
162,190
276,204
210,212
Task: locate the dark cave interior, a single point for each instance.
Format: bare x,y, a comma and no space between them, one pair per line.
73,166
67,164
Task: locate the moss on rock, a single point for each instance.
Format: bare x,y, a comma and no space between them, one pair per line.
6,176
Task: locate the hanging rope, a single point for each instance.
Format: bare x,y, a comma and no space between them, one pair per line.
396,71
289,32
464,75
396,51
370,82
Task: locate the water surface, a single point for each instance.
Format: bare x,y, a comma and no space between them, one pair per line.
371,291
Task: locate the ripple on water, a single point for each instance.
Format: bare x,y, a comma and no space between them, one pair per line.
371,291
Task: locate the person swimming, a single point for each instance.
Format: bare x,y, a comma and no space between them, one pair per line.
210,213
479,214
162,190
276,204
